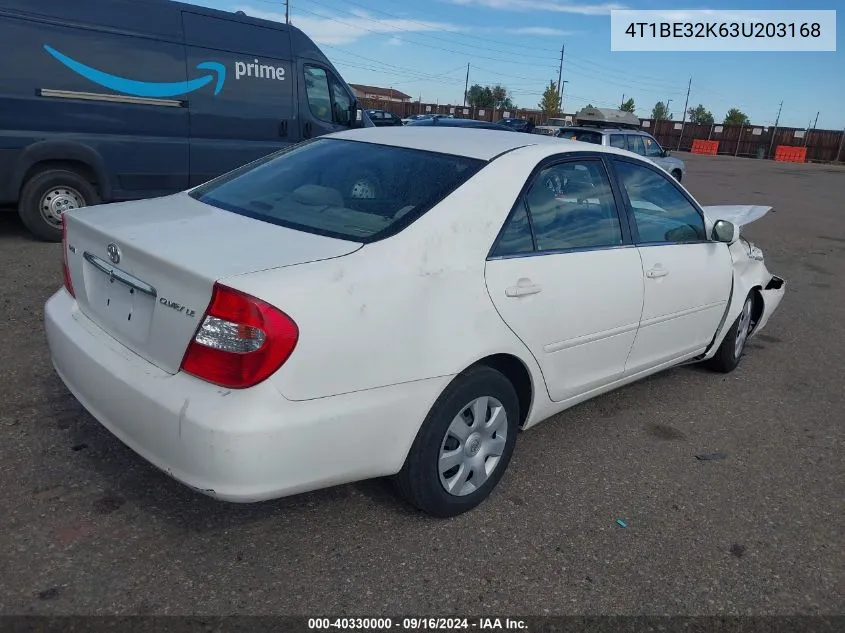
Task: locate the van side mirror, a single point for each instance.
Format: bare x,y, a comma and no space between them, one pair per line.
665,153
356,116
726,232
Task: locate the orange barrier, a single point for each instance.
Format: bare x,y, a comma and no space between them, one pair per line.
700,146
789,154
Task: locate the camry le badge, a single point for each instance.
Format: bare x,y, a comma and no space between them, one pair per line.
114,253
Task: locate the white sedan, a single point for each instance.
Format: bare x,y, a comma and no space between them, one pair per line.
392,302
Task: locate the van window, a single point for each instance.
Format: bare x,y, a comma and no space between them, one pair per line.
339,188
618,140
327,98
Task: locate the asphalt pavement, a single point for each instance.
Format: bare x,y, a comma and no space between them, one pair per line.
88,527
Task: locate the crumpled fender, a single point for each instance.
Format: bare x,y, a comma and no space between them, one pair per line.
738,214
749,273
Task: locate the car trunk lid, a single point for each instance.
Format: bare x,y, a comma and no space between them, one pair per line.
144,271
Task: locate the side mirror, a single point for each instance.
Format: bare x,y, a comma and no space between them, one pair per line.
724,231
665,153
356,116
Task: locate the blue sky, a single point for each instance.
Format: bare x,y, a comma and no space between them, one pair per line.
422,48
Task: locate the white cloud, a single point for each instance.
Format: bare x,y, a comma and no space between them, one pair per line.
395,41
348,28
551,6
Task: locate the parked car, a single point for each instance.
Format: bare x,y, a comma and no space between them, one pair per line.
381,118
518,125
636,141
448,121
460,303
124,99
621,129
415,117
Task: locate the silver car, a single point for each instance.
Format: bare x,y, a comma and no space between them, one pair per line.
633,140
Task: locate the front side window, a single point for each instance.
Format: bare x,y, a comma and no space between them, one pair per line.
661,212
327,98
635,144
570,205
339,188
652,149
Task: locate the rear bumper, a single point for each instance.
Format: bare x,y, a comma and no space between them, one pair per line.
236,445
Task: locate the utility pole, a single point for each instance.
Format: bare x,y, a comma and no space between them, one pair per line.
287,11
774,131
623,101
684,120
466,87
668,116
559,78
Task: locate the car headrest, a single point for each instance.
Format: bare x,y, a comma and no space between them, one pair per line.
317,196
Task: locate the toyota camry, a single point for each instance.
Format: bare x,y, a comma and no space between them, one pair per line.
393,302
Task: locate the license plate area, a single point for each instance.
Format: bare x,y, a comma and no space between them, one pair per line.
123,304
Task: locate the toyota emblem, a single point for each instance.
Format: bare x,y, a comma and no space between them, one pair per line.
114,253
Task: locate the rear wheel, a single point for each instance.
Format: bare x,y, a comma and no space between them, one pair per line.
49,194
730,351
464,445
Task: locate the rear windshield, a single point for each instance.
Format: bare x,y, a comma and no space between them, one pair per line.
585,136
345,189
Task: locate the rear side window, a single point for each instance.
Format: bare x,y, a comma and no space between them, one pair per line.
635,144
345,189
618,140
585,136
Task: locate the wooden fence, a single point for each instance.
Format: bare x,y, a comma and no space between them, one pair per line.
734,140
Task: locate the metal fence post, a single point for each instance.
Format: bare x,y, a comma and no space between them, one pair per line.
739,138
710,133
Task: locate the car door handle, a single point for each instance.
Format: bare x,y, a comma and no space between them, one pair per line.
522,289
656,272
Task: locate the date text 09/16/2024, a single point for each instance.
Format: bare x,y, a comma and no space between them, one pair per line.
417,624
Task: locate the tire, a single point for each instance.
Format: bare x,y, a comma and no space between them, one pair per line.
730,351
48,194
421,481
677,174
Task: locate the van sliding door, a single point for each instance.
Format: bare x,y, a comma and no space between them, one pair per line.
246,110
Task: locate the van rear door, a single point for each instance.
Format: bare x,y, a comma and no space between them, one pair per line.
250,114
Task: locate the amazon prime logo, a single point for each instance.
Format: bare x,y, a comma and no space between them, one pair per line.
114,253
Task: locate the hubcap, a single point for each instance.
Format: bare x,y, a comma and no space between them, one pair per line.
473,446
58,200
743,328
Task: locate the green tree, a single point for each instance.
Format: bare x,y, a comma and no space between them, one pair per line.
550,103
660,112
501,98
480,96
735,116
628,106
700,114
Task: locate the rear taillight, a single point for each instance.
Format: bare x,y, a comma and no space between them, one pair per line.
241,341
65,267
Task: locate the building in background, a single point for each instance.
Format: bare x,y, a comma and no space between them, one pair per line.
380,94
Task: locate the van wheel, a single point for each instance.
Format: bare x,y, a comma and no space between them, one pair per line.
47,195
464,445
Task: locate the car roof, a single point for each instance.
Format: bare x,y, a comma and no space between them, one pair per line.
483,144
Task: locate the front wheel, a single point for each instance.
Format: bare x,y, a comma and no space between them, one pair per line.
464,445
730,351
